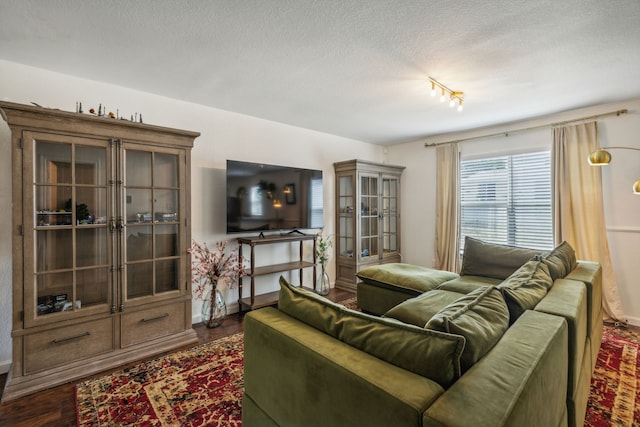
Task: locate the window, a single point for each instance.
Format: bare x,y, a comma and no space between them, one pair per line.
507,200
255,203
316,204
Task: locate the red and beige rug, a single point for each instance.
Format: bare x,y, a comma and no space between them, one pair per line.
615,385
203,386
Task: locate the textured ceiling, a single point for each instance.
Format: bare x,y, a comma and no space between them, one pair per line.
351,68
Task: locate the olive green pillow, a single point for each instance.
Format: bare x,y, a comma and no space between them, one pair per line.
408,276
526,287
561,261
492,260
418,310
481,317
432,354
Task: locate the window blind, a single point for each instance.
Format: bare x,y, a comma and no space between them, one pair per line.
507,200
316,204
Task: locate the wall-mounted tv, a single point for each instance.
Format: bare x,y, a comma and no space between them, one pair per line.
262,197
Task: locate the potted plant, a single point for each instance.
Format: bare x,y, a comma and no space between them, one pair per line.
208,268
323,246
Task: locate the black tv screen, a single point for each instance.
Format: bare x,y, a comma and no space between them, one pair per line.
262,197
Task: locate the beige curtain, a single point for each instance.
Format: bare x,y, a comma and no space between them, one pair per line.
579,210
447,207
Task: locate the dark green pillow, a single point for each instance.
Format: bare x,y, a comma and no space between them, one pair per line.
418,310
561,261
525,288
407,276
481,317
432,354
466,284
492,260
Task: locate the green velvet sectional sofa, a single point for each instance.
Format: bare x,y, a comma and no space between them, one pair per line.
511,341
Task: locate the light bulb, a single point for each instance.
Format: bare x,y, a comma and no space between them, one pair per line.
433,89
442,97
452,103
460,106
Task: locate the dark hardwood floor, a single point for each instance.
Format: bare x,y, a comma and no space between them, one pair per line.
56,406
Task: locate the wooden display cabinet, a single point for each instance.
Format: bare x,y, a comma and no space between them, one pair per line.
101,269
367,217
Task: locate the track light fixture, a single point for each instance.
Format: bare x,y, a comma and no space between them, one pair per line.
455,97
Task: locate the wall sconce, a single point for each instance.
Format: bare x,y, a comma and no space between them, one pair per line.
455,97
601,157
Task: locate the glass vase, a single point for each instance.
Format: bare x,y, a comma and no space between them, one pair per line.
323,284
214,308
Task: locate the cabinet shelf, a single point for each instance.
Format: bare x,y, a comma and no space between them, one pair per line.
277,268
271,298
259,301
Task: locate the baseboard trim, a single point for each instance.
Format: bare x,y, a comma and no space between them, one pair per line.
5,365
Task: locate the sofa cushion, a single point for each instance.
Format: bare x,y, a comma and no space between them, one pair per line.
526,287
561,261
417,311
432,354
466,284
481,317
399,275
492,260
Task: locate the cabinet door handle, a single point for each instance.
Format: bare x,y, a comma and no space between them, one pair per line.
73,337
149,319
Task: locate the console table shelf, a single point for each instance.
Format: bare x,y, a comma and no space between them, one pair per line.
271,298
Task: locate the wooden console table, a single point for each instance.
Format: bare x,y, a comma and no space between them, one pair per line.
271,298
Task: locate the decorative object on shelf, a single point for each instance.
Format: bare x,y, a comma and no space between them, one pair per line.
323,246
208,267
102,112
601,157
214,307
454,96
290,193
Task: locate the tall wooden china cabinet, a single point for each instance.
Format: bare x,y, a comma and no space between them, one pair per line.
101,272
367,217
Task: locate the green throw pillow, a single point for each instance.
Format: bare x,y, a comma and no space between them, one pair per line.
418,310
399,275
525,288
431,354
561,261
481,317
492,260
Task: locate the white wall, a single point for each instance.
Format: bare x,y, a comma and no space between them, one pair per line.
622,209
225,135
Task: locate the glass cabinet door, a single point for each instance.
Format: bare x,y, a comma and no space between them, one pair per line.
152,228
71,263
369,236
390,215
346,231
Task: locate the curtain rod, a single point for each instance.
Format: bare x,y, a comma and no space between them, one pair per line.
506,133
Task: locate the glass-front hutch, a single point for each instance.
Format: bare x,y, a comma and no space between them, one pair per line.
101,267
367,217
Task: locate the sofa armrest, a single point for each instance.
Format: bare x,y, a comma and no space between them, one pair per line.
298,376
590,273
521,381
568,298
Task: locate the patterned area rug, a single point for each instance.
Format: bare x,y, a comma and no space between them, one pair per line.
201,386
615,386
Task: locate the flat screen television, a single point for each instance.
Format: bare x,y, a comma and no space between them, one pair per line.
262,197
